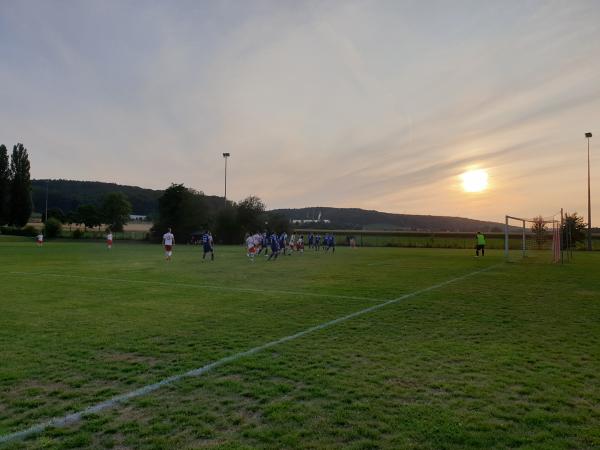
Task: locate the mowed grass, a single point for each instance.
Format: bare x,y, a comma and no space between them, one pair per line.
506,358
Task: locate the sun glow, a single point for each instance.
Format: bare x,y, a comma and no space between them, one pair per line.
475,180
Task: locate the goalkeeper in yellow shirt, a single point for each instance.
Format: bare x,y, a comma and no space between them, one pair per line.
480,244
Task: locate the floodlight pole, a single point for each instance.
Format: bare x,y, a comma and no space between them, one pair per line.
524,243
225,156
46,213
506,237
589,232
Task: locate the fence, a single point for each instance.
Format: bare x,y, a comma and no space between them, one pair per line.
417,239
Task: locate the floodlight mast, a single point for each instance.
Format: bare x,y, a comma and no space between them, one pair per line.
225,156
46,209
589,231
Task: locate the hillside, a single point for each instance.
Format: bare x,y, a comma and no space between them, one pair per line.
355,218
68,195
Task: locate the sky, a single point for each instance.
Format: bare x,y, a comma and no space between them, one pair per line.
370,104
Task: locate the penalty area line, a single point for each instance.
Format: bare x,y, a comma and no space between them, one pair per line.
119,399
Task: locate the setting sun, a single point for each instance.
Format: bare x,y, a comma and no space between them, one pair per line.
475,180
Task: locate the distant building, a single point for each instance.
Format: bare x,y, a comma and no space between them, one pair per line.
318,219
137,217
303,221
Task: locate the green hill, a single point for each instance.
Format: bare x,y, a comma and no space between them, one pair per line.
68,195
356,218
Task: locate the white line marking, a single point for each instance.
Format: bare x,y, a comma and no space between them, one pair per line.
111,402
200,286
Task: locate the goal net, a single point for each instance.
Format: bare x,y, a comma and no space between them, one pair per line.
537,237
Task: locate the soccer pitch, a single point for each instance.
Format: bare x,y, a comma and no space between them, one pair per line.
472,352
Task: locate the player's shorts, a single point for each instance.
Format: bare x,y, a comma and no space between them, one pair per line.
168,248
39,241
207,248
252,250
480,246
109,242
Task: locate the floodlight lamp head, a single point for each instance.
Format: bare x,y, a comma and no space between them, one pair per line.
226,155
588,135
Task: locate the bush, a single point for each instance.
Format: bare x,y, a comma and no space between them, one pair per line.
52,228
77,233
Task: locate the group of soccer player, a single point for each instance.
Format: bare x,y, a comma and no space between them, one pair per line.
280,244
257,242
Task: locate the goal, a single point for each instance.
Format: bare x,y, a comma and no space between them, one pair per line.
538,237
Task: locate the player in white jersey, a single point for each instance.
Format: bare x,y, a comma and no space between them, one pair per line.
168,241
109,239
250,249
300,244
39,240
258,242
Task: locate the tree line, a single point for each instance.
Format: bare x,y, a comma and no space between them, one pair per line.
16,203
184,210
15,186
113,212
187,211
68,195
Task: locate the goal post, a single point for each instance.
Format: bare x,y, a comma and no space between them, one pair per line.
538,237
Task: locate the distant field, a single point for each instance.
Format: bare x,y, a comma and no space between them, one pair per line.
131,231
507,357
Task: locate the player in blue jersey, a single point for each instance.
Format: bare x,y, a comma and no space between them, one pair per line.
311,240
274,241
330,244
207,245
317,242
264,244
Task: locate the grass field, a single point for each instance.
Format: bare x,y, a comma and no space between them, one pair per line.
508,357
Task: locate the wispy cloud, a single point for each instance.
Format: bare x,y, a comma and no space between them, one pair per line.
367,104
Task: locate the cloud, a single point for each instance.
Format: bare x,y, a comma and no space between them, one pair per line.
373,104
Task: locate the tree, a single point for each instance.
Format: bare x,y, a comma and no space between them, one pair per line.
20,187
227,227
183,210
89,216
278,223
575,229
540,231
4,185
52,227
55,213
250,215
115,210
72,218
